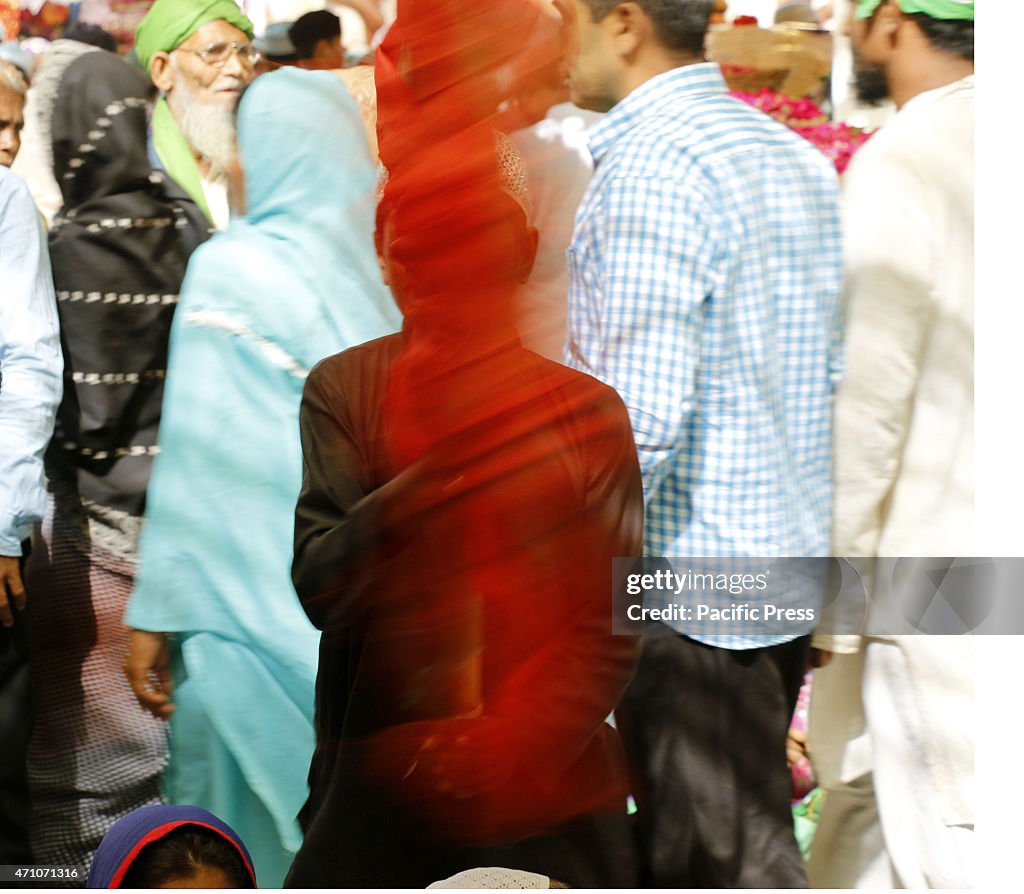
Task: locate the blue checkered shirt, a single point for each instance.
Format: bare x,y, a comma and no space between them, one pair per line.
705,274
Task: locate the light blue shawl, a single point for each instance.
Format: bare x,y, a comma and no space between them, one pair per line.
291,282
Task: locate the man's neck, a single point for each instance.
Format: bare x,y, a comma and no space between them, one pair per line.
911,76
654,64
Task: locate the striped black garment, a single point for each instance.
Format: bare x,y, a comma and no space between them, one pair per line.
119,247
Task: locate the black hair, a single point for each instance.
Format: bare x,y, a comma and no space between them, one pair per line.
181,854
93,35
681,25
953,36
311,28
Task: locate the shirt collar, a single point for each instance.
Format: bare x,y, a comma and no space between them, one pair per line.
701,79
965,84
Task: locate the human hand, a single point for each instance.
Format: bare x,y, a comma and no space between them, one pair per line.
147,667
796,746
425,491
818,658
464,762
11,588
449,758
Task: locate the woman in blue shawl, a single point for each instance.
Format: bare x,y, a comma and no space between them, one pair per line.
292,281
171,847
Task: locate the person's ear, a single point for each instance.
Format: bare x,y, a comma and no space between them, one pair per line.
628,27
392,271
888,20
161,71
396,278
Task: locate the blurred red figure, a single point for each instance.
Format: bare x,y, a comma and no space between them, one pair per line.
462,500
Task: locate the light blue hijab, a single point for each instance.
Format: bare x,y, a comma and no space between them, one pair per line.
291,282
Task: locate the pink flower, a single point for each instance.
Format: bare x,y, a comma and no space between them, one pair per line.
836,140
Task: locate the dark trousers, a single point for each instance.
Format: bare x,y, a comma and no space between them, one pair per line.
15,731
705,735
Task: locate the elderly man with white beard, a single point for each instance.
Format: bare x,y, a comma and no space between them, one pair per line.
199,55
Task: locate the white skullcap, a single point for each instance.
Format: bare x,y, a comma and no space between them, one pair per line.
493,877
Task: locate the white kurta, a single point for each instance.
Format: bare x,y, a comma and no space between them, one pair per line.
892,720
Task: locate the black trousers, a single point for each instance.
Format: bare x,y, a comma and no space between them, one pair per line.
15,731
385,851
705,735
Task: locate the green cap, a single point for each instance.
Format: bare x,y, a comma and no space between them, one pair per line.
937,9
169,23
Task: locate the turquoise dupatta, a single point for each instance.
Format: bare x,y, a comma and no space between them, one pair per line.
291,282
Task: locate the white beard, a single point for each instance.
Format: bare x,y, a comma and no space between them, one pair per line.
208,128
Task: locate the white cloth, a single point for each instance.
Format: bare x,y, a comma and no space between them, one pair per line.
34,163
31,363
892,744
904,422
558,169
891,725
493,877
215,191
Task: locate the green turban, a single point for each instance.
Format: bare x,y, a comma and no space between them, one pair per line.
937,9
169,23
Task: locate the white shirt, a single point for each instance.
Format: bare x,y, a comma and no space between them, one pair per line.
215,191
904,427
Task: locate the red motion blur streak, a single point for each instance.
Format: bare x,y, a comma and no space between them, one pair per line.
501,656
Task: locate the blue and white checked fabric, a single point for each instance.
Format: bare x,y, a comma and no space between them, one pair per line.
705,275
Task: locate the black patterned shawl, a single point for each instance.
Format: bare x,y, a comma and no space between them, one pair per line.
119,246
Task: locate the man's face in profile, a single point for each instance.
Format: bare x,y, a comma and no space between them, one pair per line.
592,64
210,84
203,79
11,122
869,81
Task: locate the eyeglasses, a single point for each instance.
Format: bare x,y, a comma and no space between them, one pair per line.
217,54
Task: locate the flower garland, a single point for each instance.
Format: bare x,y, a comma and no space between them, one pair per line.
10,20
835,139
48,21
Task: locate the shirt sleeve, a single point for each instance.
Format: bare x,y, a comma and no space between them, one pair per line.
339,518
31,364
352,533
889,304
637,308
